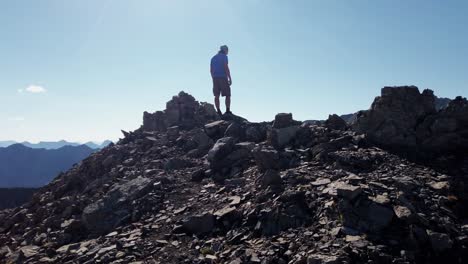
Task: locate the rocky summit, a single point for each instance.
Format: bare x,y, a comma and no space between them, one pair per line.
192,187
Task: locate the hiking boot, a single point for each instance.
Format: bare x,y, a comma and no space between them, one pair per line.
219,112
228,112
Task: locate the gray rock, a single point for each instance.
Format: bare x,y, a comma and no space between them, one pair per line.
404,213
222,148
283,120
348,191
322,259
16,257
173,133
4,250
281,137
30,251
199,224
266,158
270,178
216,129
198,175
106,213
255,133
235,130
335,122
439,241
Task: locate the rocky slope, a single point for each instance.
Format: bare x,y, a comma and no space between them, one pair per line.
189,188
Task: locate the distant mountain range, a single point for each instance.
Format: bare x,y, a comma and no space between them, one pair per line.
55,144
22,166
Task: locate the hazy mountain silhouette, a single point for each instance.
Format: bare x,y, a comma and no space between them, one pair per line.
21,166
54,144
93,145
7,143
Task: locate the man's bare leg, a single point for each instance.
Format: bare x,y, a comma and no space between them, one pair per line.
228,103
216,100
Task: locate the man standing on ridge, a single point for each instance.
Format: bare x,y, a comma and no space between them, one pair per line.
221,78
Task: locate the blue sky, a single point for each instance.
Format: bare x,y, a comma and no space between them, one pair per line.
83,70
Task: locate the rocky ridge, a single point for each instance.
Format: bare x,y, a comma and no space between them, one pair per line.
189,187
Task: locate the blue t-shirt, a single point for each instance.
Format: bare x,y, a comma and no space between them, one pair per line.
217,64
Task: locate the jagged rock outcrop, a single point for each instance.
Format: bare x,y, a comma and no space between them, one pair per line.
393,117
182,110
447,130
404,120
336,122
226,192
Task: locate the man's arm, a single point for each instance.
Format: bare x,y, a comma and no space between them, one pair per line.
228,73
211,70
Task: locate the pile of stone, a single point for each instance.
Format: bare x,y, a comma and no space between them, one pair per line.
225,190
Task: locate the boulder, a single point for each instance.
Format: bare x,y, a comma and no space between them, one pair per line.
283,130
255,132
404,213
266,158
222,148
335,122
439,241
348,191
115,207
30,251
198,175
216,129
281,137
323,259
270,178
235,130
196,142
283,120
199,224
365,215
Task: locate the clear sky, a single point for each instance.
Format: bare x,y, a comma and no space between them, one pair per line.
84,69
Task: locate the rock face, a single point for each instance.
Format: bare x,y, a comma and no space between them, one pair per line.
405,120
226,191
183,110
394,115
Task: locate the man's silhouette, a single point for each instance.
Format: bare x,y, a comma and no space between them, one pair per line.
221,78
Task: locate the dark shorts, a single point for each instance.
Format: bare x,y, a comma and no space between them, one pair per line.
221,86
